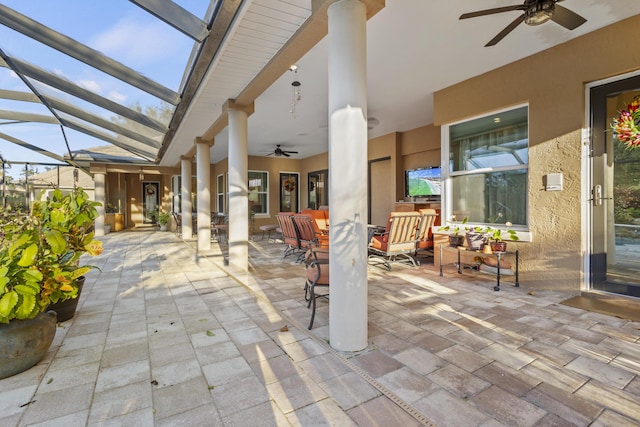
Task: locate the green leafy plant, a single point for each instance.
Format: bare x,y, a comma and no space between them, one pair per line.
455,228
501,234
164,217
40,253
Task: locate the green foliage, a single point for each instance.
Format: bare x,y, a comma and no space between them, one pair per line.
40,253
455,228
501,234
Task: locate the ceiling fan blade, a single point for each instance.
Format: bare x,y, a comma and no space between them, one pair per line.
492,11
286,154
567,18
291,152
502,34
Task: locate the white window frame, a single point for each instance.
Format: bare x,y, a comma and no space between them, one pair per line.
266,214
447,174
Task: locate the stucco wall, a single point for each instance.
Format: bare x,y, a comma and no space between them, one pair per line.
553,85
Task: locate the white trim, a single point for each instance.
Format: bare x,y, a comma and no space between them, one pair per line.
446,204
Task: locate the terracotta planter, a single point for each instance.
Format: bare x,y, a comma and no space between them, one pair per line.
23,343
67,309
499,246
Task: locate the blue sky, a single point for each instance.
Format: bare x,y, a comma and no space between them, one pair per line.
117,28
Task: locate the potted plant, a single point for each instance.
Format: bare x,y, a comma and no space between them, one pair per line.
456,238
162,218
476,238
497,237
39,265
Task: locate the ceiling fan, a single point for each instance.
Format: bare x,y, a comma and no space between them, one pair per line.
278,152
536,12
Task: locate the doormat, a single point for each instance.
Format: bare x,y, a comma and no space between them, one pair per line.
624,308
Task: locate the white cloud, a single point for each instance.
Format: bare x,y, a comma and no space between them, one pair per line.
137,43
117,96
91,85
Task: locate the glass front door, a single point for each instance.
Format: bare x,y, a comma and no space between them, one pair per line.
615,195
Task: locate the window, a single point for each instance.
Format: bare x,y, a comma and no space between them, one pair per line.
318,189
258,192
488,168
220,193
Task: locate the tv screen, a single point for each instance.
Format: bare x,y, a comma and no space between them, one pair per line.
423,182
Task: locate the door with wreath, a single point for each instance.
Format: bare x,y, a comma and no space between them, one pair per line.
289,191
150,200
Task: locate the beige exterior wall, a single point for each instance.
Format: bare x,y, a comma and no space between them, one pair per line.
552,83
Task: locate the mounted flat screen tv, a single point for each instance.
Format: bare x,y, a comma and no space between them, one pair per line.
423,182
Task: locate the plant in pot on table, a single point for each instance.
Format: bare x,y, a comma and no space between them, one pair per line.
497,237
39,266
456,238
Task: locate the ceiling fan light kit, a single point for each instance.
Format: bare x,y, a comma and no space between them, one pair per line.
539,13
535,12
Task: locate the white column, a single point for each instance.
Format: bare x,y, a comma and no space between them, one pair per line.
203,164
185,191
238,191
348,175
100,196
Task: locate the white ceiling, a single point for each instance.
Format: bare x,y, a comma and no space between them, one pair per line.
415,47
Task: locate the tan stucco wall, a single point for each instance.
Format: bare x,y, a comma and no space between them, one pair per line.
553,85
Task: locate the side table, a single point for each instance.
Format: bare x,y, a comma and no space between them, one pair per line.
498,255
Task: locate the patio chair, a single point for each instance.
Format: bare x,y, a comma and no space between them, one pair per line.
398,242
316,262
310,234
424,237
290,235
178,219
219,225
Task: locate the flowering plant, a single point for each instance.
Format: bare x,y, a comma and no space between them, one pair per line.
626,125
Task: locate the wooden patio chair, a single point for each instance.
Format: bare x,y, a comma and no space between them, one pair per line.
290,235
398,242
424,238
316,262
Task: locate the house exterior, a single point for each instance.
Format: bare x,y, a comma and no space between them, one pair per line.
553,85
528,142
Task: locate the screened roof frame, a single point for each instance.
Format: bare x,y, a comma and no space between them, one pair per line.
68,115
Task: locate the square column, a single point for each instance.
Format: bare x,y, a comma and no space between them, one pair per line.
203,164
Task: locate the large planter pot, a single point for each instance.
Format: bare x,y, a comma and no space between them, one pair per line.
67,309
23,343
476,241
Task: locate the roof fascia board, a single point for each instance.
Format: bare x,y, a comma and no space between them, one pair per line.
221,22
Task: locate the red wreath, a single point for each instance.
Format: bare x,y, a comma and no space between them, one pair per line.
290,185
